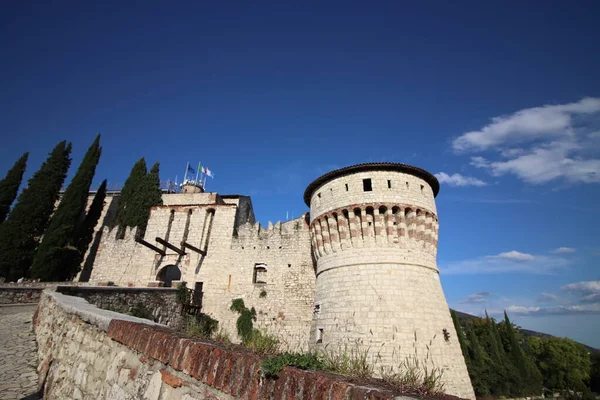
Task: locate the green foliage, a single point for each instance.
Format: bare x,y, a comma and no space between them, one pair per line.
204,327
502,363
563,363
245,322
128,211
85,232
262,342
461,336
140,193
263,293
349,359
54,260
272,365
595,373
183,294
9,186
415,373
237,305
221,336
21,231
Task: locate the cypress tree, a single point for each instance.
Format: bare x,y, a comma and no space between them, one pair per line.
21,232
529,376
85,232
140,193
9,186
151,196
154,191
128,211
57,250
515,353
461,336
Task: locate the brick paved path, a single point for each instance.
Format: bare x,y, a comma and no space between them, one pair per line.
18,353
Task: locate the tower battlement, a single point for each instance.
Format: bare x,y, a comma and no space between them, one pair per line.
374,232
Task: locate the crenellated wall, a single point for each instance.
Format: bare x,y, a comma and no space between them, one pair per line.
226,270
383,225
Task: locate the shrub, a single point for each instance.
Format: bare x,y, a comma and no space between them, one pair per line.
352,360
272,365
183,294
262,342
203,326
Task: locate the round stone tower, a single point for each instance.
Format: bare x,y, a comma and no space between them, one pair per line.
374,231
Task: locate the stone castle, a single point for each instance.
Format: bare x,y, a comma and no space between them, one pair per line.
356,272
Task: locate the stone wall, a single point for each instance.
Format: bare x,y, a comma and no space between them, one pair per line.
161,303
19,295
86,352
226,270
26,292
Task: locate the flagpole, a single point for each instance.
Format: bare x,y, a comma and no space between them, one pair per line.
186,171
197,171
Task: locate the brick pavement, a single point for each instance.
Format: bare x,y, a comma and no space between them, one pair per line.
18,353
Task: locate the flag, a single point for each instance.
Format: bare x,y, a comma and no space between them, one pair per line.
207,172
190,169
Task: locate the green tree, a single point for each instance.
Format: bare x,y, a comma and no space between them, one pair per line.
140,193
21,231
9,186
128,211
595,373
151,195
529,375
57,250
564,364
461,336
85,232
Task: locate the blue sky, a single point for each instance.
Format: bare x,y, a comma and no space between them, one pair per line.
501,100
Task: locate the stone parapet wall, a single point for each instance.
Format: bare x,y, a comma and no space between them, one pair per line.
86,352
160,302
26,292
19,295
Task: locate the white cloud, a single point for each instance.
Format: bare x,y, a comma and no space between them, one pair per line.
555,142
546,162
564,250
586,294
582,288
508,262
515,255
525,125
459,180
476,298
509,153
558,310
549,298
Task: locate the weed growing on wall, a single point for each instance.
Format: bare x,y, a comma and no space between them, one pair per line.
272,365
245,322
413,373
183,294
201,326
263,293
351,359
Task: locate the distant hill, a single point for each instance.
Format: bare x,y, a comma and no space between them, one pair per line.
526,332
